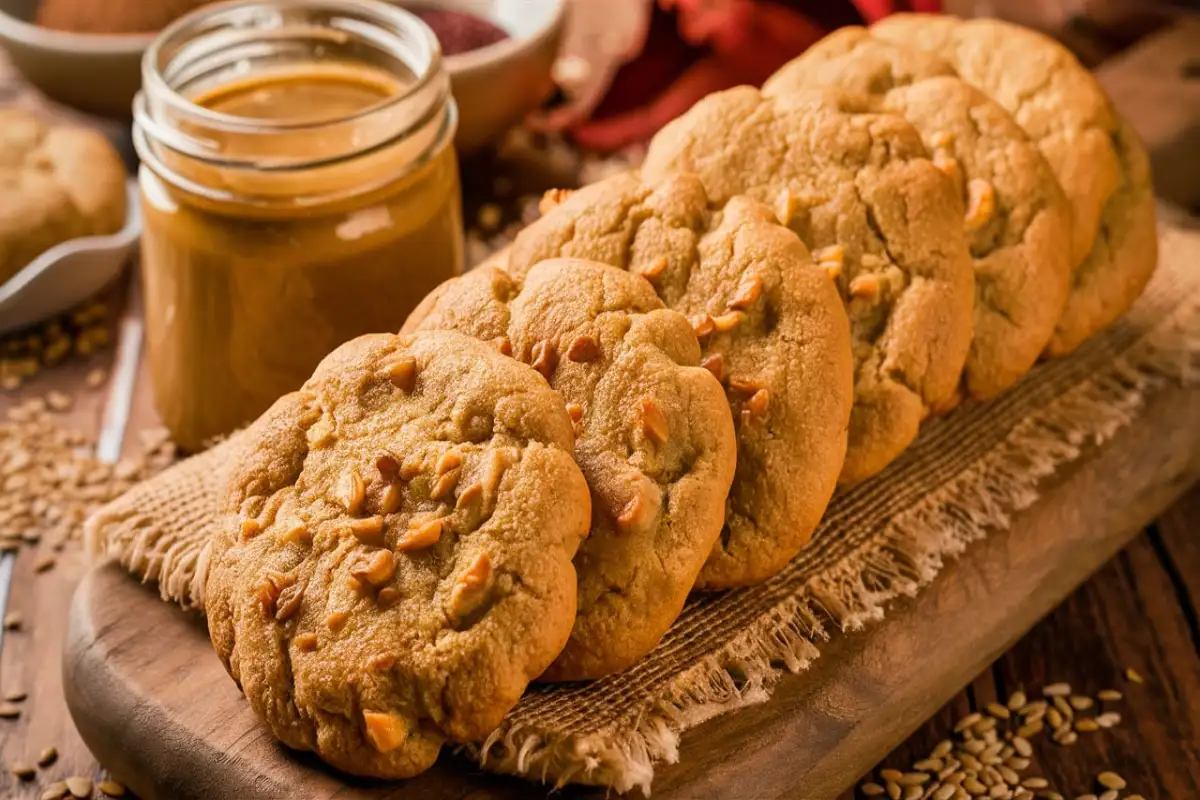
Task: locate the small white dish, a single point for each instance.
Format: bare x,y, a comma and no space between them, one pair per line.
69,273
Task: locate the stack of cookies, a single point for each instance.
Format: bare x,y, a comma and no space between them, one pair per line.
660,386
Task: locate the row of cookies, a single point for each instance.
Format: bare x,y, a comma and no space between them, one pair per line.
793,282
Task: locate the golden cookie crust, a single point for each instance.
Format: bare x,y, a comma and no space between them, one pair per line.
1095,156
56,183
771,326
654,438
394,563
1017,217
860,190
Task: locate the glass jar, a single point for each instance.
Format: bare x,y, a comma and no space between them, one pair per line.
299,188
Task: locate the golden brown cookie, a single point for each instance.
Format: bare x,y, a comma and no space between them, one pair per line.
1017,218
654,438
771,329
1095,156
394,563
56,183
860,190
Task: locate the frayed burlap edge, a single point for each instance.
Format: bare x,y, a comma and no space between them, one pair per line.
904,557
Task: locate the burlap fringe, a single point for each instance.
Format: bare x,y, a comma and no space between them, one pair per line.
905,557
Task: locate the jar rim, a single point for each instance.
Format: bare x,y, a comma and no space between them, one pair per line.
192,23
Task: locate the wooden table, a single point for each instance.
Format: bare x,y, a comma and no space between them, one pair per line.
1139,611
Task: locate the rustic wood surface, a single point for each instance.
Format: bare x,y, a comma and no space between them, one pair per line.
1139,610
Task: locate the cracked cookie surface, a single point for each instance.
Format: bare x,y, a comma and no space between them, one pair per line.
655,438
771,328
1095,155
860,191
1017,218
394,562
56,183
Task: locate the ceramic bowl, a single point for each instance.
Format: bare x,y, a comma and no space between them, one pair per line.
495,86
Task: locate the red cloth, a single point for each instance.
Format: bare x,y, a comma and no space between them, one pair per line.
695,47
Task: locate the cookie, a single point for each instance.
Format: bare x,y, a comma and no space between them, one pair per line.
394,561
860,190
1094,155
771,329
654,438
56,183
1017,218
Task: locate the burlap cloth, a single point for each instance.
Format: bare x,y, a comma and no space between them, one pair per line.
961,480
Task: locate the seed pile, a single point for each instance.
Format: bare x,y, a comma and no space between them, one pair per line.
25,353
992,750
50,481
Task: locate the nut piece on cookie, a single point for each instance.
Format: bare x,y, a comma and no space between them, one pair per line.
782,324
656,446
398,594
858,177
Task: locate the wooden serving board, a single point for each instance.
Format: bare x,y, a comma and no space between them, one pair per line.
156,707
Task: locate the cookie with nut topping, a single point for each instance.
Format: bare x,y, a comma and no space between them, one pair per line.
654,438
394,561
860,190
1099,160
772,330
1017,216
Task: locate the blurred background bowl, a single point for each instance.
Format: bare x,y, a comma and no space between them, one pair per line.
495,86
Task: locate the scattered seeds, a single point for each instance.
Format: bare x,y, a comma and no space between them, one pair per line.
1110,695
112,788
1057,690
24,772
998,711
79,787
1017,700
15,695
1133,675
9,711
1081,702
47,757
1110,780
55,791
1111,794
13,621
871,789
1108,719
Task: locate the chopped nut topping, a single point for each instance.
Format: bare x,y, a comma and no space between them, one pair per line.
403,373
388,596
470,588
296,533
386,732
420,535
714,363
981,204
470,495
306,642
502,285
583,349
575,411
288,602
948,164
389,501
941,139
383,662
353,492
654,269
320,433
388,466
545,358
369,531
833,254
551,199
744,386
337,620
748,292
785,206
702,324
451,459
865,286
503,344
377,569
268,591
411,467
634,515
654,423
727,322
758,403
444,486
249,529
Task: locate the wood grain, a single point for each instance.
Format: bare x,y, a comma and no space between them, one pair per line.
135,666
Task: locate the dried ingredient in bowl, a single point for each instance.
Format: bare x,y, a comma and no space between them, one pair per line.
459,31
112,16
56,183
